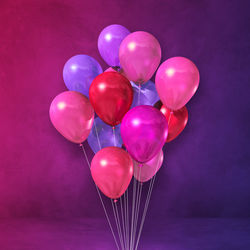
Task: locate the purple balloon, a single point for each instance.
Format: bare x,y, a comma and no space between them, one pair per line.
144,130
79,72
109,43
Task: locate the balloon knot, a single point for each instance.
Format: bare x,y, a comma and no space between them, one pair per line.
80,145
113,127
115,200
141,183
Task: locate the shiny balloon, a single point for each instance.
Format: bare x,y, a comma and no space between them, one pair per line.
144,130
112,171
144,172
79,72
145,94
177,79
72,115
101,136
111,95
148,93
177,120
140,55
109,42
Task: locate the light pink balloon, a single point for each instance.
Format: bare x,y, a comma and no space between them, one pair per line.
140,55
144,172
112,171
72,115
176,81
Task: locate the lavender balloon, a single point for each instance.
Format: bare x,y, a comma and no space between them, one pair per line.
109,43
79,72
105,135
144,130
148,94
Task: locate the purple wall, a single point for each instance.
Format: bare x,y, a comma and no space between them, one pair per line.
206,170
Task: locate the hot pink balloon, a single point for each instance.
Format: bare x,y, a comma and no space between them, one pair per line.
144,172
144,130
72,115
112,171
177,79
140,55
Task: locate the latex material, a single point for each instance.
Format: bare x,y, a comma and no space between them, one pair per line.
144,130
177,120
105,135
112,171
148,92
72,115
144,172
109,42
177,79
111,95
79,72
140,55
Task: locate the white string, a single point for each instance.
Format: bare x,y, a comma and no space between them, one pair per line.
104,208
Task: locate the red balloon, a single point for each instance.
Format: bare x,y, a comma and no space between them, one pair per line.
111,95
112,171
177,121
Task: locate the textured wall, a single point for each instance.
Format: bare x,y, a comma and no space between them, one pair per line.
206,170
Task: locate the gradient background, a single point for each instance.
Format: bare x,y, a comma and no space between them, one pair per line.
206,170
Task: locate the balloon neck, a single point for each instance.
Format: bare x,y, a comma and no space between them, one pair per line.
115,200
80,145
141,164
113,127
141,183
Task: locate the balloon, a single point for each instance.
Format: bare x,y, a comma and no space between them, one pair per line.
111,96
148,94
140,55
72,115
109,42
177,79
144,172
144,130
105,135
177,120
79,71
112,171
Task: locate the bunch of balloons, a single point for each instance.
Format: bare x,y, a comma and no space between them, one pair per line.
124,94
131,111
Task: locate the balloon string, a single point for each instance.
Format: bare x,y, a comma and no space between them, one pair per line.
139,95
113,128
104,208
119,224
97,135
150,189
123,223
127,218
116,221
139,188
132,212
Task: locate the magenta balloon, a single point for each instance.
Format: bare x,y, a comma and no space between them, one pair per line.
144,130
140,55
144,172
176,81
72,115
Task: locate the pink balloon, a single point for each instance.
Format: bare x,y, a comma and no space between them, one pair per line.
177,79
140,55
112,171
72,115
144,172
144,130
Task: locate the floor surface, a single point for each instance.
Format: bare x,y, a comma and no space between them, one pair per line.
81,234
